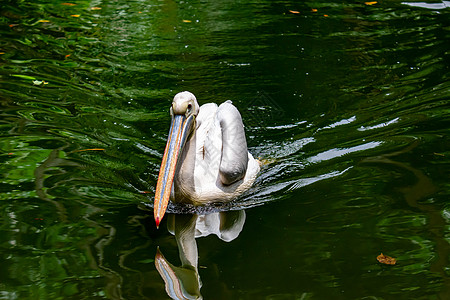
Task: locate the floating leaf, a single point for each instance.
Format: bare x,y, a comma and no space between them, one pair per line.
387,260
314,9
12,25
2,53
92,149
96,8
187,21
326,16
68,4
75,16
370,3
43,21
66,56
39,82
294,11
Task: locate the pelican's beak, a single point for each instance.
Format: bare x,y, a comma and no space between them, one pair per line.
180,130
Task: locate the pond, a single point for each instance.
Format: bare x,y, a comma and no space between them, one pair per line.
346,103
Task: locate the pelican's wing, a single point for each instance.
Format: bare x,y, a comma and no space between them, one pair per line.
233,163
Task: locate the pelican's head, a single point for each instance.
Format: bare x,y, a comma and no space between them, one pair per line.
184,110
184,103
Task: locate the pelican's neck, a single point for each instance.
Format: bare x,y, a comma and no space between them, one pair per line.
184,177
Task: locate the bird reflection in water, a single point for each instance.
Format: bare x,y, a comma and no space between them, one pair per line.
184,282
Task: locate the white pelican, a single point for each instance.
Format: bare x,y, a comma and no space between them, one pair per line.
206,158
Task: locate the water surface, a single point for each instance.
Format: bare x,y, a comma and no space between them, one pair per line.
347,103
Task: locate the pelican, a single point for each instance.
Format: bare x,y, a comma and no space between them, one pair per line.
206,158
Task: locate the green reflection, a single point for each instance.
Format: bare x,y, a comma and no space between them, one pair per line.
347,103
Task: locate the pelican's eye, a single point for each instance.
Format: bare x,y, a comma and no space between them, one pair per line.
189,107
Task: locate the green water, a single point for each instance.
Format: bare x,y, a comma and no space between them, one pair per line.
348,102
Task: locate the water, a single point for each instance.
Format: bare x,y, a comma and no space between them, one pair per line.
347,103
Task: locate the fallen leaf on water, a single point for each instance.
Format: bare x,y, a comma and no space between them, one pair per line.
294,11
387,260
187,21
40,82
2,53
370,3
96,8
43,21
325,16
67,55
68,4
92,149
314,9
75,16
12,25
435,153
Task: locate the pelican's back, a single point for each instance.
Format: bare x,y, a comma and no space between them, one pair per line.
216,166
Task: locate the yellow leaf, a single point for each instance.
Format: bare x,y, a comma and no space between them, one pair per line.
2,53
43,21
387,260
187,21
68,4
92,149
75,16
294,12
370,3
314,9
96,8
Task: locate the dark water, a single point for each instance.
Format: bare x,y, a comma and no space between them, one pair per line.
347,102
